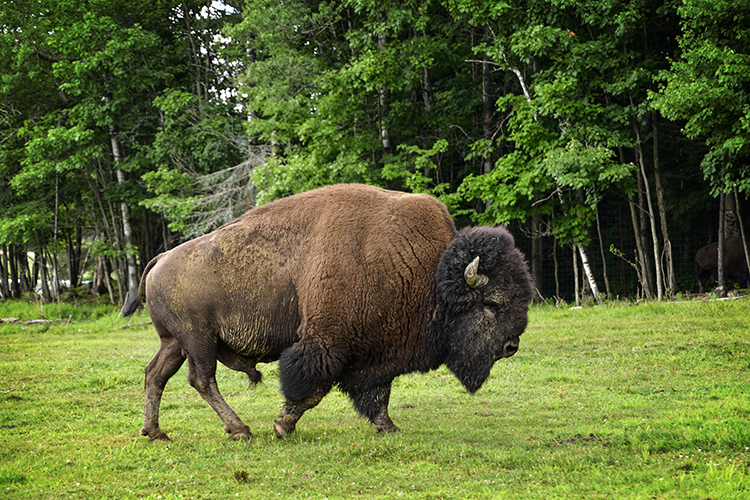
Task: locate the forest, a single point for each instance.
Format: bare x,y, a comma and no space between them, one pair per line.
610,136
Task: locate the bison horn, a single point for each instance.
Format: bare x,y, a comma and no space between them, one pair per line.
472,276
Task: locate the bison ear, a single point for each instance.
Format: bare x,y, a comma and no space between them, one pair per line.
472,276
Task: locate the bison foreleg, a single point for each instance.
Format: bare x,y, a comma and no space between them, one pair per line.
373,404
292,412
203,378
307,371
306,367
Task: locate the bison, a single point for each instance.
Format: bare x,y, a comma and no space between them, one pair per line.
735,265
346,285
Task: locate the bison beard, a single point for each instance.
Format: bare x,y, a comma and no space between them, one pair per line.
347,285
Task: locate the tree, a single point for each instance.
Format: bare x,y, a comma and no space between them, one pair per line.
349,92
104,64
708,86
202,156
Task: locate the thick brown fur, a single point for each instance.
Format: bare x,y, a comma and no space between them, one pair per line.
346,285
706,264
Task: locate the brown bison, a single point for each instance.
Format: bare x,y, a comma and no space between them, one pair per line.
735,266
346,285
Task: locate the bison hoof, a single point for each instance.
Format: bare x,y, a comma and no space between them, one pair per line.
155,434
282,429
390,429
239,433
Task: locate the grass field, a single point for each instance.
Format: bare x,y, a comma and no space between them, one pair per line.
617,401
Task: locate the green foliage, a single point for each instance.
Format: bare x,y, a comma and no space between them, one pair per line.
414,164
572,107
707,86
297,173
20,223
334,92
55,150
510,186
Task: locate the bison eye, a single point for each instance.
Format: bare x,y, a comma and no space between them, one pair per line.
496,301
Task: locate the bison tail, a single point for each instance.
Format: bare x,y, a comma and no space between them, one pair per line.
132,303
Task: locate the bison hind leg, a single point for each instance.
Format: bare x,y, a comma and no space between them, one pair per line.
202,376
239,363
165,363
255,377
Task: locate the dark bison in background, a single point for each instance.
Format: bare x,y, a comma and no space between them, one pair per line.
349,285
706,264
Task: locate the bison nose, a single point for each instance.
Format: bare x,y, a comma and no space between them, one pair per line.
510,348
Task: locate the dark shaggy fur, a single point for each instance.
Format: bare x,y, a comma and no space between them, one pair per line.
498,257
346,285
483,319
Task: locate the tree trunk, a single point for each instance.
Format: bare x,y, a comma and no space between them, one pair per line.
109,220
147,243
73,254
604,255
385,140
640,250
194,53
554,259
97,283
55,276
742,234
426,89
731,223
108,280
425,132
589,274
669,261
41,261
126,228
575,275
383,107
536,257
117,263
720,290
641,255
24,274
15,284
488,107
82,267
4,287
56,289
651,218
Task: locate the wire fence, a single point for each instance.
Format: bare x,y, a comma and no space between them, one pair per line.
620,255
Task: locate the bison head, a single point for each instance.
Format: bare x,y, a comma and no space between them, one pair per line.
484,289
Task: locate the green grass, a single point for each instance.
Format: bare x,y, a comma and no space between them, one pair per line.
618,401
